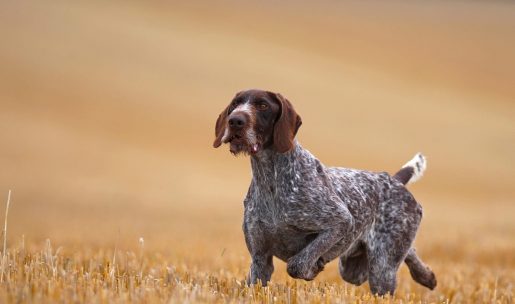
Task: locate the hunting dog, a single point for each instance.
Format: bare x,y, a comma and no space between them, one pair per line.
307,214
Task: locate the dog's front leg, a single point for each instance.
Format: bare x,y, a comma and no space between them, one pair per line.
262,265
309,262
261,270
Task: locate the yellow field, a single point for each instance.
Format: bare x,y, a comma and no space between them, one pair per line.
107,114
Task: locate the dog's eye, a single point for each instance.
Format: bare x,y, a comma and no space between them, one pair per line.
263,106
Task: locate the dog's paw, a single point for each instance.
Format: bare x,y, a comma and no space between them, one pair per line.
300,268
424,276
428,280
319,266
297,269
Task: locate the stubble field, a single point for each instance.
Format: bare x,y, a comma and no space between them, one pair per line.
107,112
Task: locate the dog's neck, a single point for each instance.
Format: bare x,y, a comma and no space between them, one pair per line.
271,169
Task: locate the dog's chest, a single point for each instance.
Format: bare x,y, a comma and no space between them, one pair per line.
283,239
268,220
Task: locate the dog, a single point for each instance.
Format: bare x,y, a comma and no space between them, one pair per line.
307,214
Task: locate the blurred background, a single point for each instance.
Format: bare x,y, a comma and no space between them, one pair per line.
107,113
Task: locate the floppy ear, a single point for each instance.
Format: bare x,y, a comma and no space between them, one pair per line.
221,124
286,126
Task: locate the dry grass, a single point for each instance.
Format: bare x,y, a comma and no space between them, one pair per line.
44,275
207,262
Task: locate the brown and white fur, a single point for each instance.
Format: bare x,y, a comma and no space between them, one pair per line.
307,214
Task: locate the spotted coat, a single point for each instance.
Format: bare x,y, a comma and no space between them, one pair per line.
307,214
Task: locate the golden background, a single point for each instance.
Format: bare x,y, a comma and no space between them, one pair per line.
107,113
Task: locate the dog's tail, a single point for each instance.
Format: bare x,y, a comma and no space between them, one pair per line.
412,171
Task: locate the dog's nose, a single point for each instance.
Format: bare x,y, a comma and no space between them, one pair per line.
237,121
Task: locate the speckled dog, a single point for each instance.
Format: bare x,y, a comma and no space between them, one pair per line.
307,214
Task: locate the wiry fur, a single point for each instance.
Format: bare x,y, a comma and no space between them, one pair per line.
307,214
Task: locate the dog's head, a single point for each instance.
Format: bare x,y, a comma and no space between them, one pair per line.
256,120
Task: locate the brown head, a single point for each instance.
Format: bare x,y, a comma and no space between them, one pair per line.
256,120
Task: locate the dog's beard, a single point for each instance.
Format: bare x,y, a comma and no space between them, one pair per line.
238,146
243,145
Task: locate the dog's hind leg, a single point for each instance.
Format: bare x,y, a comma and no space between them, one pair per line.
390,239
354,269
419,271
382,275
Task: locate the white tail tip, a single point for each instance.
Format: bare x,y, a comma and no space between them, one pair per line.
419,164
